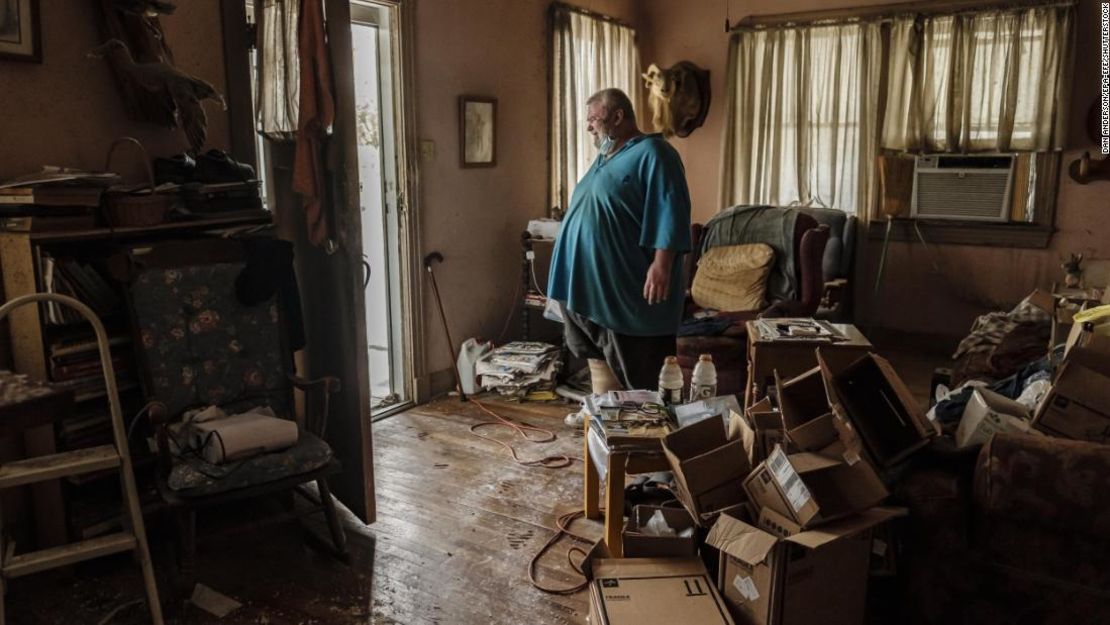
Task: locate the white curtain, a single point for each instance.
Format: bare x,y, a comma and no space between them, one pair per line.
589,54
278,70
801,118
983,81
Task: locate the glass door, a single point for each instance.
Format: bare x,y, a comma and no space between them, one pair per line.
372,41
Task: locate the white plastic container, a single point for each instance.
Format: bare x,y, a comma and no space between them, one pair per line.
703,382
470,353
671,382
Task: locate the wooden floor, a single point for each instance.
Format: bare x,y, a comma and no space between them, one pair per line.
458,522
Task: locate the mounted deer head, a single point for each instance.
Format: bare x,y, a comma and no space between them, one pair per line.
678,96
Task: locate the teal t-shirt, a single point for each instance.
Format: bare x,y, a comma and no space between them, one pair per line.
623,209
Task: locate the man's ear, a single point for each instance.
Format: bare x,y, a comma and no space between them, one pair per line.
618,117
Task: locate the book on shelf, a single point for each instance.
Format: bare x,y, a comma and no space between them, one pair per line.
84,343
52,197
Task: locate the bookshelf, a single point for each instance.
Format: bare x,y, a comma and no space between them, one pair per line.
48,345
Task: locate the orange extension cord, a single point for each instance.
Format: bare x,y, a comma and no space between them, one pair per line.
560,461
563,522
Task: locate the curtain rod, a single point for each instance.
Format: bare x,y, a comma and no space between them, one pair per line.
588,13
886,12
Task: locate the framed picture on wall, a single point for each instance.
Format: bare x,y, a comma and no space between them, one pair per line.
477,131
20,38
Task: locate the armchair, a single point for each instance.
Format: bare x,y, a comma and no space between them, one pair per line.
728,345
199,345
836,265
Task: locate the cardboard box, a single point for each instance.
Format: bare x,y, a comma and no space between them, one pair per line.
638,544
807,419
708,467
988,413
654,591
810,489
766,421
817,577
1078,406
869,396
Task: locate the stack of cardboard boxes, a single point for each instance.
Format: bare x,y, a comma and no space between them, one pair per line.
786,498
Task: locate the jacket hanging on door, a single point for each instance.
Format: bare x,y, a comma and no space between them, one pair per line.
317,112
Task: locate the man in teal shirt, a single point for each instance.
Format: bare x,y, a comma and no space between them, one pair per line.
616,269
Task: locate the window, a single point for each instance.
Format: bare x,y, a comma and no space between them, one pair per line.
589,53
803,115
990,81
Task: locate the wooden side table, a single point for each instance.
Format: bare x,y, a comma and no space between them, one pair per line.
31,418
618,465
794,357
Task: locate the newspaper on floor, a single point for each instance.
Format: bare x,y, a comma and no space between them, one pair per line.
519,368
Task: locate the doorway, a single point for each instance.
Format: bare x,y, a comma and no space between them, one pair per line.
373,42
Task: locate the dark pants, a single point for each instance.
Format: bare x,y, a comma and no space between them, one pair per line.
635,360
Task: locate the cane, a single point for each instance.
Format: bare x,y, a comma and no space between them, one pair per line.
429,260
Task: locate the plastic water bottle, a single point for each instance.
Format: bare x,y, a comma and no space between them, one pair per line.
670,381
703,383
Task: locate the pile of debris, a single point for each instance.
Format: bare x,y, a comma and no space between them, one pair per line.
519,368
787,497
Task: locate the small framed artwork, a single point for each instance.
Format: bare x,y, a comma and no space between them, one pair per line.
20,38
477,131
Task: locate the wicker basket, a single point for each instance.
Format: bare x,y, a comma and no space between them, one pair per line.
131,209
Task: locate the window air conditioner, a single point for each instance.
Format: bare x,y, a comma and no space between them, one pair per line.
974,188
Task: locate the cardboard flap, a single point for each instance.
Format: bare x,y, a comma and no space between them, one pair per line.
913,408
748,544
635,568
800,398
850,526
739,429
807,462
696,438
828,376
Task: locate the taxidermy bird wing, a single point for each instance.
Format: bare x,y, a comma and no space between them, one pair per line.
188,93
149,8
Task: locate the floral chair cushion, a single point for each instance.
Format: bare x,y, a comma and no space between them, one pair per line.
201,346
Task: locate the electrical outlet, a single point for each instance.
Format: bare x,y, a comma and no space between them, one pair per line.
427,150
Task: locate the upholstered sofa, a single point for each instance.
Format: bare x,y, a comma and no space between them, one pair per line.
1018,533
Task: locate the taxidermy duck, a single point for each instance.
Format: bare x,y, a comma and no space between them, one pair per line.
186,91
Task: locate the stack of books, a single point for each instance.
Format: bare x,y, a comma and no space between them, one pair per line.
519,368
75,362
57,198
78,280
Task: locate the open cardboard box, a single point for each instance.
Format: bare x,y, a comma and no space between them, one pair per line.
868,396
810,489
766,422
1078,406
638,544
654,591
988,413
816,577
708,467
807,419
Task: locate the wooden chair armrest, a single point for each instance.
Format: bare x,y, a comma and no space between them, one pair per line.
328,384
159,420
318,394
